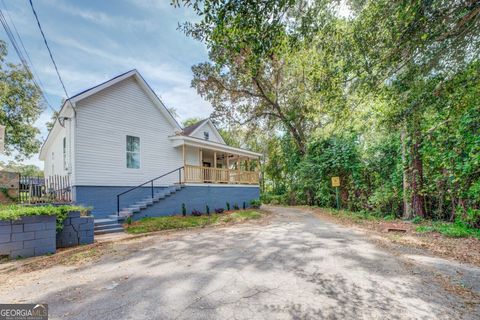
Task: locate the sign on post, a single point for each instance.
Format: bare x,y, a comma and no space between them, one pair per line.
336,184
335,181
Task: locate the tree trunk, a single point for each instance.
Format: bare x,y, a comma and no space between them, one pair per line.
418,201
407,208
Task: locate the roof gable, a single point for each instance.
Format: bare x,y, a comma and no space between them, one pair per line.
197,127
143,84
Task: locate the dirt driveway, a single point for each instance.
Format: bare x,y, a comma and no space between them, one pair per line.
293,266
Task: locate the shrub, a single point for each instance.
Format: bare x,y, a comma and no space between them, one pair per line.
472,218
129,220
417,220
244,205
228,206
256,203
196,213
207,209
15,212
184,210
219,210
236,207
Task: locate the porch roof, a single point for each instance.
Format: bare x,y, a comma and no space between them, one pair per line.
180,140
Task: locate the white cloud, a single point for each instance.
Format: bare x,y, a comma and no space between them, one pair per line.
187,102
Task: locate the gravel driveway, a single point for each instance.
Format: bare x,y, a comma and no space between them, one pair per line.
294,266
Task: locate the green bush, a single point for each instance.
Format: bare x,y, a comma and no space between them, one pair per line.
417,220
256,203
15,212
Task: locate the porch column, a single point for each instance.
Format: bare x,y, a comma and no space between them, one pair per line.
238,169
214,166
228,168
184,167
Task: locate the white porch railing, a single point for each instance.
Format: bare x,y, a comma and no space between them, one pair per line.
198,174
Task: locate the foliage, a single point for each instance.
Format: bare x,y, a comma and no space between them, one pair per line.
219,210
20,108
207,209
30,170
191,121
236,207
184,210
179,222
228,206
15,212
458,229
255,203
386,98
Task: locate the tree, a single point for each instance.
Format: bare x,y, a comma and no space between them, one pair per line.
20,108
191,121
23,169
252,77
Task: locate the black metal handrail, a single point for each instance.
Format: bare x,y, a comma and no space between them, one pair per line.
151,185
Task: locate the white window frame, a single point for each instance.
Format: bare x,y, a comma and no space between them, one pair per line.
139,152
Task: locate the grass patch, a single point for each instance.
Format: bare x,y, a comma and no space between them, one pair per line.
457,229
179,222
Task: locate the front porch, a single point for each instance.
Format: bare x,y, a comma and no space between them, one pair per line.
210,162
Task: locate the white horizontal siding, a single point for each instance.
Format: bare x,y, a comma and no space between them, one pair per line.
54,155
103,122
212,133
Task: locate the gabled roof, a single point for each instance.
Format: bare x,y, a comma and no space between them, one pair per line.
90,91
192,129
132,73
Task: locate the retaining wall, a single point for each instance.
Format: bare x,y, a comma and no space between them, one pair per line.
76,230
28,236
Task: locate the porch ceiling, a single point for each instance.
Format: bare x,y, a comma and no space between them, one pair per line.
178,141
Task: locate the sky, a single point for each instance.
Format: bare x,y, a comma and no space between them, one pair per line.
93,41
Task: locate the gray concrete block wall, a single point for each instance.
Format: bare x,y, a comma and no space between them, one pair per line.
28,236
76,230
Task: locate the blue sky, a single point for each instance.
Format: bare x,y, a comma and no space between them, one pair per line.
92,41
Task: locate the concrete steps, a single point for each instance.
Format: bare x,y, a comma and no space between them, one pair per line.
148,201
107,225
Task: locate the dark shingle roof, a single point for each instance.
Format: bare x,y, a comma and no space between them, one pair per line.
188,130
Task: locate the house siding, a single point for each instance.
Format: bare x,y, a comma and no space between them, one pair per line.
54,163
104,201
103,122
197,197
212,133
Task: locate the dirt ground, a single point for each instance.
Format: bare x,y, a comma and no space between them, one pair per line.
458,249
294,264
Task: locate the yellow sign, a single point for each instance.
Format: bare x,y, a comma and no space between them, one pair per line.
335,181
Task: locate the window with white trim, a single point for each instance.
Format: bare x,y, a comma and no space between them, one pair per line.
133,152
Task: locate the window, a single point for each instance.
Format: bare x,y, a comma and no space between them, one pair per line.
64,153
206,135
133,152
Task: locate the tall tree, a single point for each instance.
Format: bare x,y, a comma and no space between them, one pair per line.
20,108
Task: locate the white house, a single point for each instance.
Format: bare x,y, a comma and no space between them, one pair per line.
118,135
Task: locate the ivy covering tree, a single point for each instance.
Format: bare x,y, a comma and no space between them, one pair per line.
383,94
20,108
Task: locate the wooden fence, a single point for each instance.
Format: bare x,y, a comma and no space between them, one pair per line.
44,190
